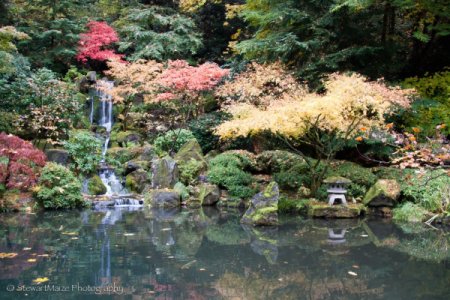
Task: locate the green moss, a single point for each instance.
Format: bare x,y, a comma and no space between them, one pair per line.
189,171
96,186
295,206
181,189
259,214
268,191
323,210
410,212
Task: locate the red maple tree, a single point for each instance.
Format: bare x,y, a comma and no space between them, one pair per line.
20,162
92,45
180,79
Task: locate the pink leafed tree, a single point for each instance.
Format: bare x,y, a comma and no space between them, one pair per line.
180,79
93,44
185,83
20,162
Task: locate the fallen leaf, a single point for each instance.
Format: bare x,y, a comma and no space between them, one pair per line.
128,234
69,233
31,260
7,255
26,249
40,280
352,273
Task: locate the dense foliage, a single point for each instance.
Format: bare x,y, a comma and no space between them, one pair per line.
20,163
85,150
58,188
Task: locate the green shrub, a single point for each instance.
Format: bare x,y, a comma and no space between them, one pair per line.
431,190
227,171
172,140
7,120
58,188
409,212
434,107
277,160
294,206
85,150
190,170
294,177
362,178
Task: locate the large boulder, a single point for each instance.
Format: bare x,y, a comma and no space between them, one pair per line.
190,150
164,173
95,186
59,156
209,194
136,180
123,138
385,192
163,198
263,208
134,165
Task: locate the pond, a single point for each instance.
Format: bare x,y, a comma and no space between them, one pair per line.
207,254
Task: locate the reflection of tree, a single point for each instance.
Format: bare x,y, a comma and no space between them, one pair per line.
415,240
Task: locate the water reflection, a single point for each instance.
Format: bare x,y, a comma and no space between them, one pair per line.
208,254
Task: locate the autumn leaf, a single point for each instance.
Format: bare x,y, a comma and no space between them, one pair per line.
40,280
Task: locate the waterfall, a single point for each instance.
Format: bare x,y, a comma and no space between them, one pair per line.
107,175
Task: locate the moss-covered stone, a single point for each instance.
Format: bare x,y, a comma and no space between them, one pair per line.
59,156
208,194
263,208
124,138
163,198
385,192
96,186
165,173
136,181
318,209
190,150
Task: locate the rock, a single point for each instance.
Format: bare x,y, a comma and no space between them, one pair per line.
91,76
163,198
190,150
126,137
134,165
164,173
274,161
59,156
263,208
146,153
136,180
323,210
208,194
385,192
96,186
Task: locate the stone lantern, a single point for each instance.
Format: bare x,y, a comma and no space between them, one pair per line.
337,188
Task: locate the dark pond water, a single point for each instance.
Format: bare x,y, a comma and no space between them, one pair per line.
208,255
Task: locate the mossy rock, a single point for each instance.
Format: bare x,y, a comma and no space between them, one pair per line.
208,194
126,137
59,156
162,198
263,208
96,186
165,173
385,192
190,150
136,181
323,210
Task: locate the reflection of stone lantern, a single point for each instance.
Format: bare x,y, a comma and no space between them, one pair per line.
336,236
337,188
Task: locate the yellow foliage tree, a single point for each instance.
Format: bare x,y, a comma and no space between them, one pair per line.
350,102
324,122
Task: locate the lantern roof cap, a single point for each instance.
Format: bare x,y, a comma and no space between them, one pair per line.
337,179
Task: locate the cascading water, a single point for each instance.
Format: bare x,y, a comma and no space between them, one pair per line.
113,185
